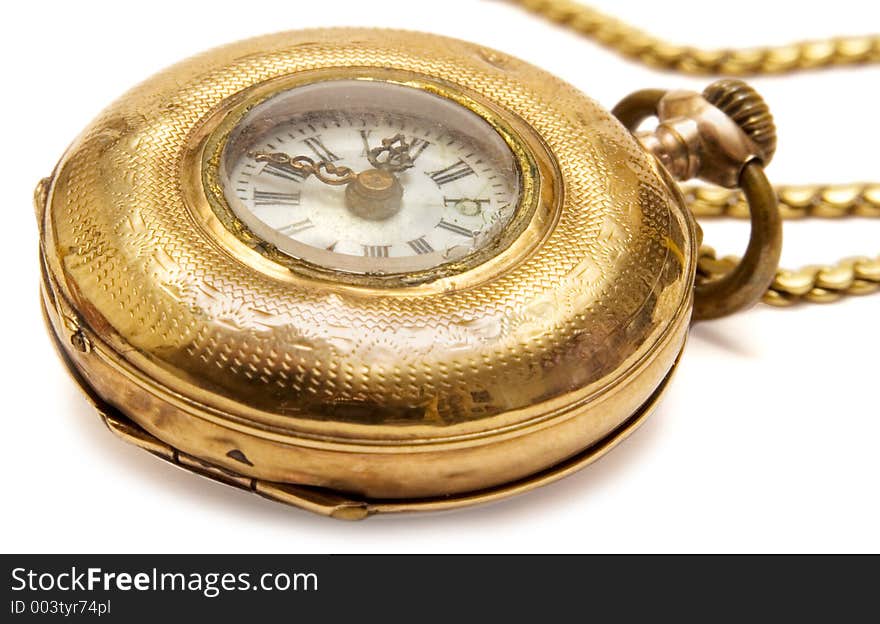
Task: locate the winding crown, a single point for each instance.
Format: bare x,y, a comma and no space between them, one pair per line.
748,110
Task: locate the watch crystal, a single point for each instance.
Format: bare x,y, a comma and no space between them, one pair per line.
371,177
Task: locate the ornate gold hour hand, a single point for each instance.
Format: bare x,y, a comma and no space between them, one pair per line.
373,194
326,172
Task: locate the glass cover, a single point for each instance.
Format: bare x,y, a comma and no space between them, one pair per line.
366,176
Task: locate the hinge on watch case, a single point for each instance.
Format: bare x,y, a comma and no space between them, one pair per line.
310,498
338,505
313,499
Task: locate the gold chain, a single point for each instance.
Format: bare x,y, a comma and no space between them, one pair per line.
821,283
650,50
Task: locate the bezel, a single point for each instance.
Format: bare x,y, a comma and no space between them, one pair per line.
536,169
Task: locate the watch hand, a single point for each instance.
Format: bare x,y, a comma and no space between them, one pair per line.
326,172
396,152
393,155
373,194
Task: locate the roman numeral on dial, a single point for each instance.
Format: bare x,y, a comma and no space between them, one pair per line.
420,245
319,149
455,228
456,171
273,198
295,228
465,205
365,139
376,251
285,173
417,146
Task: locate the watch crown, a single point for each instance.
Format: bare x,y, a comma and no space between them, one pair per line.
748,110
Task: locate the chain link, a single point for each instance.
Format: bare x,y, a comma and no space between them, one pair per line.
631,42
820,283
795,202
816,283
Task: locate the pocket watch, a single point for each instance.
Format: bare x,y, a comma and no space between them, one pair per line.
363,271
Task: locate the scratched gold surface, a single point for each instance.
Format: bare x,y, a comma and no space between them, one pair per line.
573,318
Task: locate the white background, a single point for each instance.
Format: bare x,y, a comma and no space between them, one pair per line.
766,441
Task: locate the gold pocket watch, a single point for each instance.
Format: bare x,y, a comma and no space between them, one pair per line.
367,271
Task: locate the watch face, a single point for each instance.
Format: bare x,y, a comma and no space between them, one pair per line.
370,177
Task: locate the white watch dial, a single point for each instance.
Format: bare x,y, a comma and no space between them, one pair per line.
445,184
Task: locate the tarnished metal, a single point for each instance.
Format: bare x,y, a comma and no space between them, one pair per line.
375,194
815,200
694,138
486,378
200,343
